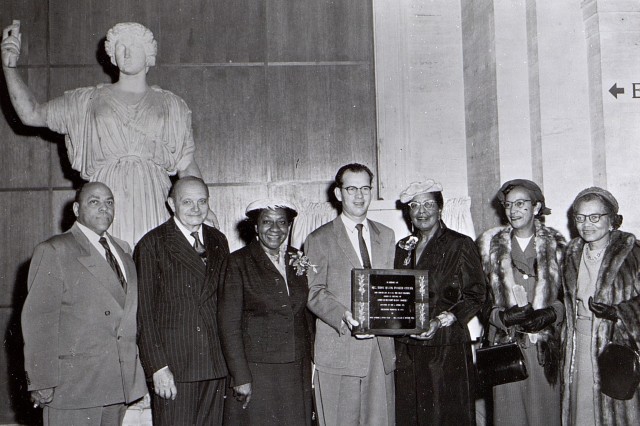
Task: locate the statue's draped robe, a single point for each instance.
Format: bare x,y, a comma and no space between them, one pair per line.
132,148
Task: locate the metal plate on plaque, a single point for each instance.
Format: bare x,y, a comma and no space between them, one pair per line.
390,302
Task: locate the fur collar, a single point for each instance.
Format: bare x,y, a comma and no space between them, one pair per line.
495,247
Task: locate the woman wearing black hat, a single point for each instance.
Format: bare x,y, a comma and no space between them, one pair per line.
522,261
602,290
264,324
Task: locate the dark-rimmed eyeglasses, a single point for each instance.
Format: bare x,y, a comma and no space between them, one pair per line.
351,190
517,204
593,218
428,205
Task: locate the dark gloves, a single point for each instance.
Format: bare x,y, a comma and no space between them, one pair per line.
603,311
515,314
539,319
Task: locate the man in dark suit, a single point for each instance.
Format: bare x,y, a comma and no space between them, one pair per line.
79,320
354,381
179,267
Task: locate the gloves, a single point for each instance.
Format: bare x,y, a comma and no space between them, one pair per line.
515,314
603,311
539,319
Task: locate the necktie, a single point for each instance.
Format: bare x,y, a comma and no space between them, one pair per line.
199,247
113,263
364,253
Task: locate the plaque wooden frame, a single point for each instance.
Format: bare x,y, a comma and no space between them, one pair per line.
390,302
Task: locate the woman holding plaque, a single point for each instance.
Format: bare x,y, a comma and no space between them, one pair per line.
522,261
602,297
434,369
264,324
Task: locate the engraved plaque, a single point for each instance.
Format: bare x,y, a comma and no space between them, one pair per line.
390,302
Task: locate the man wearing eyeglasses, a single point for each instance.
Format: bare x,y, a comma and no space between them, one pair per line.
354,375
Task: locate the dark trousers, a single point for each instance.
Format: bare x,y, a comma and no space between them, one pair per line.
434,385
197,403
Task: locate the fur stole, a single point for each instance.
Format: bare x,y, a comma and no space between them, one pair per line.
618,285
495,248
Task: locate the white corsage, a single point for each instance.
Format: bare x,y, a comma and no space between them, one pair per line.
301,263
409,245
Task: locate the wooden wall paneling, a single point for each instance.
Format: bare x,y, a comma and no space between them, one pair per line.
211,31
228,117
319,30
15,406
26,218
33,17
230,202
25,156
320,117
77,27
481,112
62,216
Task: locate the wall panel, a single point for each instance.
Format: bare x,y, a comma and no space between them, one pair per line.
320,117
319,30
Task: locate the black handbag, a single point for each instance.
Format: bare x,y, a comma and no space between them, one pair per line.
619,369
500,364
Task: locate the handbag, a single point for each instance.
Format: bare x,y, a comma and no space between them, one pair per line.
619,369
500,364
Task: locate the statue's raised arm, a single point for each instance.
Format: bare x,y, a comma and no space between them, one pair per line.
128,135
22,98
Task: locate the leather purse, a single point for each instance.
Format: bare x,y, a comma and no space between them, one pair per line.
619,369
500,364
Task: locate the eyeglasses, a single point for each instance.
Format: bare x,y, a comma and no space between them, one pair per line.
351,190
517,204
593,218
428,205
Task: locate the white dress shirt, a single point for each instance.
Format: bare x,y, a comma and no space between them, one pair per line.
352,232
95,240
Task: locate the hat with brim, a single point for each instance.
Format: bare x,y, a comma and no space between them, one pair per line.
272,204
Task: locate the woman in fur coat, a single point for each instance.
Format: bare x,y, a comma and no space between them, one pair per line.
602,295
522,261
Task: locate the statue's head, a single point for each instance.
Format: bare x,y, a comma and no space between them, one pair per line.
131,31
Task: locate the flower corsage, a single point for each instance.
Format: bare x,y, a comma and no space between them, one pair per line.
301,263
408,245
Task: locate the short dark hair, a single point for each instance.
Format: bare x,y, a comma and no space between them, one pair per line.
353,168
182,181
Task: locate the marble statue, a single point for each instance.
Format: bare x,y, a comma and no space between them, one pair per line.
128,135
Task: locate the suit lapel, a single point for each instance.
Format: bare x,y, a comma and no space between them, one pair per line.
98,266
345,243
376,245
132,278
215,255
182,251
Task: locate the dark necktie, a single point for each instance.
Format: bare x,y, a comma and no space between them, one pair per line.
364,253
113,263
199,247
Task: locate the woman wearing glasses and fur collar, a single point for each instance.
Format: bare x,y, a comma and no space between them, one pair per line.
434,369
601,273
523,263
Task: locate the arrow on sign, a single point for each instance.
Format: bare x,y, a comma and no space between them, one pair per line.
615,90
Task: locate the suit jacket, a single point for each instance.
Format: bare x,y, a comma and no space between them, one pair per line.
259,321
330,249
79,326
177,324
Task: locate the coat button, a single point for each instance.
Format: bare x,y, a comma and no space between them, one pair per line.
198,328
107,313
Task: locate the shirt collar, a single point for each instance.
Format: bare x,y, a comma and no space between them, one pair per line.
350,224
185,231
90,234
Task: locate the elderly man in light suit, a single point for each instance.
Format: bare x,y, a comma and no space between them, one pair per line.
354,378
79,320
